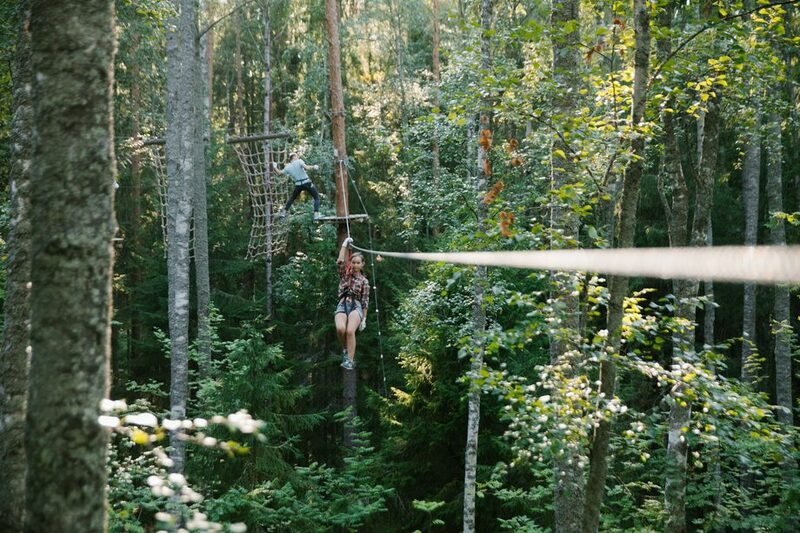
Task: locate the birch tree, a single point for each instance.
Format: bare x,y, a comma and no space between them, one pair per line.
72,192
618,285
751,171
437,80
202,132
478,311
782,330
180,139
16,326
685,292
564,20
267,178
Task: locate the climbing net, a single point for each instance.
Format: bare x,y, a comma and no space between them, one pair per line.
268,190
153,151
158,160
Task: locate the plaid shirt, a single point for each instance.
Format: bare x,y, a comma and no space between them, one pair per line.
355,284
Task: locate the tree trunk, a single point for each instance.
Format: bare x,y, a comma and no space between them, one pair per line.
399,45
569,485
751,170
239,121
780,311
267,178
478,312
340,172
714,465
72,193
437,79
15,361
680,408
181,37
671,178
618,285
202,130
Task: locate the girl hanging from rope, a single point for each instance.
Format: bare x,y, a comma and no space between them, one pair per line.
351,310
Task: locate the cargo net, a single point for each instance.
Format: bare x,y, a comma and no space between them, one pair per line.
156,153
269,192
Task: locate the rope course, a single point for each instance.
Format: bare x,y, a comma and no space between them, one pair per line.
268,190
760,264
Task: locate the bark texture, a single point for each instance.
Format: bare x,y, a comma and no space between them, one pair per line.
478,312
680,408
72,192
15,360
180,151
202,130
751,171
780,311
267,178
349,382
618,285
437,78
569,483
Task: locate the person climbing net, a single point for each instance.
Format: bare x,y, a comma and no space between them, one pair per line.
296,169
353,300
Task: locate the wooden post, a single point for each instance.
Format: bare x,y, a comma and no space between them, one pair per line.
340,172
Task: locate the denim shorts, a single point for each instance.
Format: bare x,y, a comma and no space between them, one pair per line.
347,306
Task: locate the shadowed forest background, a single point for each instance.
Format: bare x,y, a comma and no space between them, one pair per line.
484,399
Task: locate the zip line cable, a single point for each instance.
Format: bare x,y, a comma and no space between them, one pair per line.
760,264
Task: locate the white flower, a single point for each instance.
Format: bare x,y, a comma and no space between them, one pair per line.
142,419
108,421
106,405
171,425
177,479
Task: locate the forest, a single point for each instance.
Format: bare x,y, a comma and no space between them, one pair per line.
184,351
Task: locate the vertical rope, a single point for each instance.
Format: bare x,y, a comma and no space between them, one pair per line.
346,196
374,289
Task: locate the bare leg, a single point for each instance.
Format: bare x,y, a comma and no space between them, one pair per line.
341,328
353,321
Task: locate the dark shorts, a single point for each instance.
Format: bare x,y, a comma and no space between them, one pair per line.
347,306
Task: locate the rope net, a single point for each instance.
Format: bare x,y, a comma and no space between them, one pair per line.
269,192
158,160
157,155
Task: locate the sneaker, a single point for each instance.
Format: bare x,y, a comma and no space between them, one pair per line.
317,216
282,213
344,356
347,364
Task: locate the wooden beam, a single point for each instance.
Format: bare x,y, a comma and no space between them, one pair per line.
352,218
261,137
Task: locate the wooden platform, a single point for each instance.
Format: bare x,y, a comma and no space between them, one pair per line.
352,218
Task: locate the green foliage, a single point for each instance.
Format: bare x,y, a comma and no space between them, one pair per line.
281,370
319,498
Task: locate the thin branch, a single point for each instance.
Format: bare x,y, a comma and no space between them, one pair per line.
555,130
708,26
223,17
